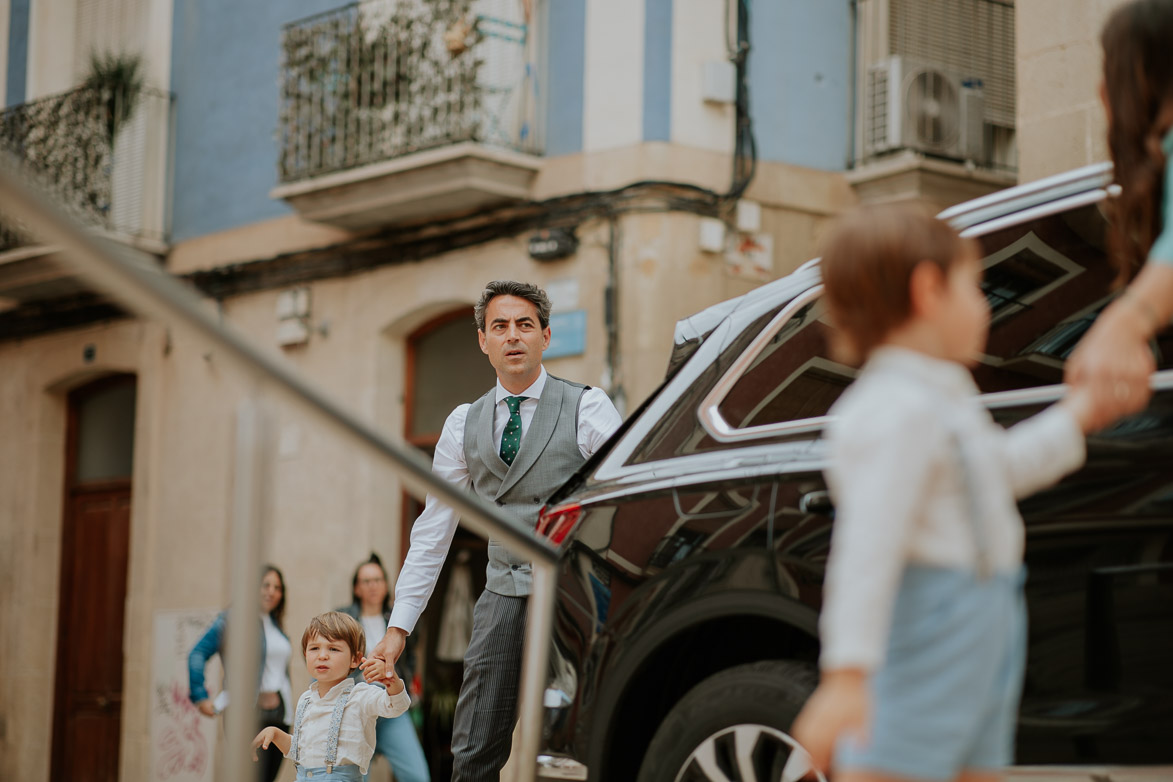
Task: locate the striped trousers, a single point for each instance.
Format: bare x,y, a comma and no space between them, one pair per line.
486,710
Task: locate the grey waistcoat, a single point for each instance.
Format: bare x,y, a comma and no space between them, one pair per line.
547,457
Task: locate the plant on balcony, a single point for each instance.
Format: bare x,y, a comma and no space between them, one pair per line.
118,79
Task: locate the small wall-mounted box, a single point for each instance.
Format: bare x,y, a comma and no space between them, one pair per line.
749,216
719,81
293,303
712,235
294,331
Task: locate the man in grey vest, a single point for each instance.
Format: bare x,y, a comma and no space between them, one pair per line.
515,446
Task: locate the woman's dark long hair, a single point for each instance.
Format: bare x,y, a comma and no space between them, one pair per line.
278,612
1138,78
374,560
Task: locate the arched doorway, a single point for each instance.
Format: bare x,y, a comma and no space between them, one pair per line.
95,548
445,368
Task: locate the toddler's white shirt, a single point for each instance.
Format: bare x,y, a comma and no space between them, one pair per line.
356,735
900,497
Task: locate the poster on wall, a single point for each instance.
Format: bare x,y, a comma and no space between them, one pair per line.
183,741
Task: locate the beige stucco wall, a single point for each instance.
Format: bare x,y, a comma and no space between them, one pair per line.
1060,119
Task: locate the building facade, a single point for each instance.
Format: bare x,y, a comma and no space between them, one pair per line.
339,182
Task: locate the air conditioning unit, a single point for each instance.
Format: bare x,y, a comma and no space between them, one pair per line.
921,106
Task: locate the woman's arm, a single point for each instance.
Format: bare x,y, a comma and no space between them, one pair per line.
197,660
1114,357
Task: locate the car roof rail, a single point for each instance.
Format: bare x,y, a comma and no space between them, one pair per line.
1015,199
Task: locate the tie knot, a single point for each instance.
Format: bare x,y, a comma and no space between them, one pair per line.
514,402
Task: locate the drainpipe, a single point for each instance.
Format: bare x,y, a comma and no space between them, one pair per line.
853,76
611,317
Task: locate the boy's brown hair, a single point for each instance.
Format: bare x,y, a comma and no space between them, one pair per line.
867,266
336,626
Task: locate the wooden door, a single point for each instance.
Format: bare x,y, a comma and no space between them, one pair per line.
94,557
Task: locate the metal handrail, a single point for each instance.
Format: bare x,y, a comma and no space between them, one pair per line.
139,283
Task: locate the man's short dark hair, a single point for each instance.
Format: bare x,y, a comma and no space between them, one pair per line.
522,290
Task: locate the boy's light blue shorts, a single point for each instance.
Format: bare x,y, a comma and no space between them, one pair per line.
347,773
946,698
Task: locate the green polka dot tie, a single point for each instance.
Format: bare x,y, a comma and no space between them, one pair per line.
511,439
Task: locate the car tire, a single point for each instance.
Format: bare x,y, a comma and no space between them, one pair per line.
734,725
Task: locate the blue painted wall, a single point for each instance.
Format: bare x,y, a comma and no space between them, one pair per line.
18,52
224,73
564,85
799,81
658,70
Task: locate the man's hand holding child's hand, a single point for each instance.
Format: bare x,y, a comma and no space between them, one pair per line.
379,671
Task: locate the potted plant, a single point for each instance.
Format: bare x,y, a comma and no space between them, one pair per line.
117,80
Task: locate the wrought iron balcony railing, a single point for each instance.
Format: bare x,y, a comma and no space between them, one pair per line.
380,79
105,160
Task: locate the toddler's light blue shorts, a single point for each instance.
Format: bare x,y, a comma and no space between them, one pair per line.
347,773
946,698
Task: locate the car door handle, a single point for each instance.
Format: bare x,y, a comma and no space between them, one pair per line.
817,502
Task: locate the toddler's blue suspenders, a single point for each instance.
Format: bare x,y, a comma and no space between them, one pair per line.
335,724
980,539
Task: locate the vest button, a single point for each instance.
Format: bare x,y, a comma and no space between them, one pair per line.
537,499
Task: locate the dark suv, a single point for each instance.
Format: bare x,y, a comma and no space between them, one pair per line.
695,543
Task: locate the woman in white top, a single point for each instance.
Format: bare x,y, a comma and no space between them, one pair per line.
274,691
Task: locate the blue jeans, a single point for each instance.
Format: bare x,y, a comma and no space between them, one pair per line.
396,740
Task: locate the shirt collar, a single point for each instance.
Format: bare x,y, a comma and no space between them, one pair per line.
533,392
334,691
948,376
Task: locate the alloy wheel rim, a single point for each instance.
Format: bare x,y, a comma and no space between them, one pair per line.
747,753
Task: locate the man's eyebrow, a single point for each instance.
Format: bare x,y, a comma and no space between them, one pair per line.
522,319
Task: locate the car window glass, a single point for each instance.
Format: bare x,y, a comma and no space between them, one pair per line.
1046,280
794,377
678,432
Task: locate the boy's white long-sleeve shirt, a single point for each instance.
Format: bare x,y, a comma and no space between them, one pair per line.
356,735
900,497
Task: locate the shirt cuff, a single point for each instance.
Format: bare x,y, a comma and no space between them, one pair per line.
834,659
396,704
403,616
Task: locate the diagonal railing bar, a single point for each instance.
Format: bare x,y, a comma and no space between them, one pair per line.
138,282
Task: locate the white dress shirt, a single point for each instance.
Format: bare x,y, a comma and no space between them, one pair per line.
901,497
433,530
356,734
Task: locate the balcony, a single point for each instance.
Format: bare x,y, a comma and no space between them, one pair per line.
400,111
105,159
